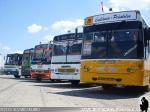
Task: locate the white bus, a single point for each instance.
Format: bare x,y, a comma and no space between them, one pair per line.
66,57
12,65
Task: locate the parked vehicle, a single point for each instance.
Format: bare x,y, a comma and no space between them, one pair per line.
41,62
66,57
116,50
26,62
13,65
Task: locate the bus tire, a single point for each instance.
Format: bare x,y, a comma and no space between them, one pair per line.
52,80
107,86
38,79
17,76
146,88
74,82
25,77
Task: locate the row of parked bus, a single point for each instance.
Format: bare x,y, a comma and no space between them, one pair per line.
114,49
59,60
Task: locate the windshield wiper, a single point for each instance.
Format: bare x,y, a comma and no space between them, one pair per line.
130,50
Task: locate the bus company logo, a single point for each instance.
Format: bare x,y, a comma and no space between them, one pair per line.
112,17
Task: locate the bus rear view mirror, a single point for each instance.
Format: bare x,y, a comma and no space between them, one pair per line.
149,33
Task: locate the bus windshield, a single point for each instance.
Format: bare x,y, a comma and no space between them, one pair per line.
59,48
74,47
13,60
67,48
113,44
42,54
48,55
26,59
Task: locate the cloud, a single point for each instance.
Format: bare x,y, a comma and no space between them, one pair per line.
3,52
34,28
4,48
64,26
47,38
119,5
17,51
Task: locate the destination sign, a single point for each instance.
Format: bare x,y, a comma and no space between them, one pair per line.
115,17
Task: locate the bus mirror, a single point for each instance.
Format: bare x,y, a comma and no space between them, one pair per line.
148,33
4,57
76,33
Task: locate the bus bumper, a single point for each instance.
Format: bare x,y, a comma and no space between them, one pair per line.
75,76
44,76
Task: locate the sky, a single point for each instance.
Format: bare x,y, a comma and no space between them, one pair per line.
26,23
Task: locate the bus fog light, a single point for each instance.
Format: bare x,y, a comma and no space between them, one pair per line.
77,70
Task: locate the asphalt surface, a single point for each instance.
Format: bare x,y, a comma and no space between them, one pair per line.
29,93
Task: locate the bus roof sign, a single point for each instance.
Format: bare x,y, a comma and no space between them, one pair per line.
115,17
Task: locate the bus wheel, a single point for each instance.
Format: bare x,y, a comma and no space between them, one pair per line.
52,80
26,77
17,76
38,79
74,82
106,86
146,88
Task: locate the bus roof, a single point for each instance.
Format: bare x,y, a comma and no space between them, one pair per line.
70,36
133,15
14,54
43,46
28,50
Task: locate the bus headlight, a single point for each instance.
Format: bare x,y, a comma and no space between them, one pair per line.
77,70
56,70
131,70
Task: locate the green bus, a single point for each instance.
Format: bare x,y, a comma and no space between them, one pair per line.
26,62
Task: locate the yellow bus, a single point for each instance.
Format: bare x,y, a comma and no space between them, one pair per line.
116,50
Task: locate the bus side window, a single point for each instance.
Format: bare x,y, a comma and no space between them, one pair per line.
149,40
146,43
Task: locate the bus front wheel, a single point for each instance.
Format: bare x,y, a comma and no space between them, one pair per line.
74,82
17,76
107,86
146,88
38,79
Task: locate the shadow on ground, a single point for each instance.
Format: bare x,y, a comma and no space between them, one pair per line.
99,93
86,90
95,92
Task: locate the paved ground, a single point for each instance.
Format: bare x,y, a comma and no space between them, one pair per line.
28,93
